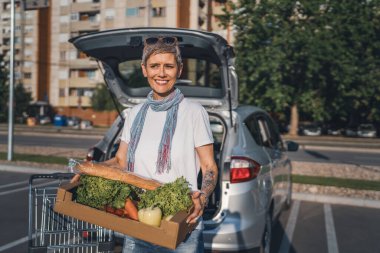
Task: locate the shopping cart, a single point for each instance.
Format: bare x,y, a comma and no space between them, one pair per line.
53,232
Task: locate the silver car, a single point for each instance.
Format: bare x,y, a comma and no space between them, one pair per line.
254,171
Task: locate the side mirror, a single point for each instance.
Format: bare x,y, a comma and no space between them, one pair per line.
292,146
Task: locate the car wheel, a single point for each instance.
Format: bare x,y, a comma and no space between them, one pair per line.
267,236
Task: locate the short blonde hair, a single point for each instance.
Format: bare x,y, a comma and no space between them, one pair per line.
160,47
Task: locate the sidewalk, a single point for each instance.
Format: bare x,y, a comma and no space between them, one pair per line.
50,129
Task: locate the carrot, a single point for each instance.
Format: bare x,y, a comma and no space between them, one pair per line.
116,174
131,210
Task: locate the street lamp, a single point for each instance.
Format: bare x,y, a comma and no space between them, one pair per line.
11,80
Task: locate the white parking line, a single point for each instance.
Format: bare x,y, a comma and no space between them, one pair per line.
332,244
290,226
23,188
13,184
14,243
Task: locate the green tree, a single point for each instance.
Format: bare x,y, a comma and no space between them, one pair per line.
3,92
101,99
22,98
307,56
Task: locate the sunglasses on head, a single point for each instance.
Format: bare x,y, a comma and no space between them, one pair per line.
166,40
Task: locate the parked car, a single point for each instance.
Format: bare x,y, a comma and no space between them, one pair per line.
73,121
44,120
86,124
254,182
334,131
311,129
351,131
367,130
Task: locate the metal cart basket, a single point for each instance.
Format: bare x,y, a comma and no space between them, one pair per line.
52,232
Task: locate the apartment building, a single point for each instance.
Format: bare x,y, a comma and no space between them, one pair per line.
53,70
25,46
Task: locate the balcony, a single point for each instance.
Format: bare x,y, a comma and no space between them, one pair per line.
86,25
84,63
81,7
82,82
74,101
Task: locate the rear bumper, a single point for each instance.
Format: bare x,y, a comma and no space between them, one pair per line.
241,227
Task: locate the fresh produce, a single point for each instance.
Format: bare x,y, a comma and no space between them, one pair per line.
170,198
131,209
151,216
104,171
119,198
100,193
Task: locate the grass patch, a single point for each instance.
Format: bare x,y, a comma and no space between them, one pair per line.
337,182
36,158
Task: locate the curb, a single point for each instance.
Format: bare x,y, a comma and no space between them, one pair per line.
336,200
374,150
58,134
26,169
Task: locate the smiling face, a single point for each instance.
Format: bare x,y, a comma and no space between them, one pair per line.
162,71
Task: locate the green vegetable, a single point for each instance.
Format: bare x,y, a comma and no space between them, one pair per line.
98,192
170,198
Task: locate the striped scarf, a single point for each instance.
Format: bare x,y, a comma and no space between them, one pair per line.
169,104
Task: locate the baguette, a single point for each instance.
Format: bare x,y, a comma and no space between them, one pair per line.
108,172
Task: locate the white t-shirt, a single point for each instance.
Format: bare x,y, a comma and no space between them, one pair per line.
192,130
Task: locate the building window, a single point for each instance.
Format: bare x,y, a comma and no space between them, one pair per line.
28,52
91,74
28,41
28,29
62,92
62,55
74,16
110,14
159,12
89,16
72,55
78,92
27,75
81,55
132,12
28,64
17,75
63,74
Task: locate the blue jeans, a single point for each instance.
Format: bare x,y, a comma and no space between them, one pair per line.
192,244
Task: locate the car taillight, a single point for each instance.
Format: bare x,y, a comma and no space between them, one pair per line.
90,154
243,169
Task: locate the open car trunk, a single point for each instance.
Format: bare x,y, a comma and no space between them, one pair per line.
208,77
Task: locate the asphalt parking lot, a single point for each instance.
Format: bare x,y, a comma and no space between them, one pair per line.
307,227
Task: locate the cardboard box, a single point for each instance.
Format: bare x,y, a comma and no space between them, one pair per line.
169,234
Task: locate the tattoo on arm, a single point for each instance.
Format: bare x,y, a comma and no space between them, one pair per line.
209,181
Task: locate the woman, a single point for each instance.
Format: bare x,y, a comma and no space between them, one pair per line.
168,137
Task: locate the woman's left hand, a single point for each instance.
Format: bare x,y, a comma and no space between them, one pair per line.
198,208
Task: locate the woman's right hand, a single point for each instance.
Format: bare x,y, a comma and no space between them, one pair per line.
75,178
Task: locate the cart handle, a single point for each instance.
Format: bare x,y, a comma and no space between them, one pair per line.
58,175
